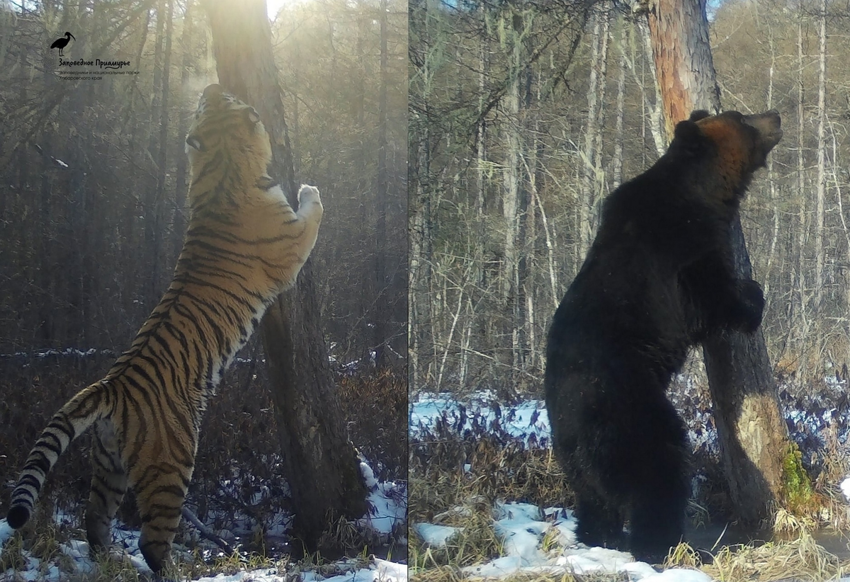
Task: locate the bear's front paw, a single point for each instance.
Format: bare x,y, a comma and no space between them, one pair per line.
750,306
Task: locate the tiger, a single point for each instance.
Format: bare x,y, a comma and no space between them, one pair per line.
243,246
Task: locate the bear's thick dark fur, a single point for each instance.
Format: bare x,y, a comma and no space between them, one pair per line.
658,279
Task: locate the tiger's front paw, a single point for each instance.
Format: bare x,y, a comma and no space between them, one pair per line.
309,202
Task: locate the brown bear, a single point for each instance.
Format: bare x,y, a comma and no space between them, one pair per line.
657,280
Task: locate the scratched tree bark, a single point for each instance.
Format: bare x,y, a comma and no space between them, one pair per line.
752,433
321,465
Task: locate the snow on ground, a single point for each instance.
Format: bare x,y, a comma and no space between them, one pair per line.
127,544
378,571
387,502
387,514
527,420
811,415
522,528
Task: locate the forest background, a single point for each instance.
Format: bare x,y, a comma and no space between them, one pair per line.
525,115
92,217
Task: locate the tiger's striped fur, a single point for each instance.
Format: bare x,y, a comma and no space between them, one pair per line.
244,245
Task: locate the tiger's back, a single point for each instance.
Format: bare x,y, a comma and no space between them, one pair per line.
244,245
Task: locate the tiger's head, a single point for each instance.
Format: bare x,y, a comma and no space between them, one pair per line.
227,133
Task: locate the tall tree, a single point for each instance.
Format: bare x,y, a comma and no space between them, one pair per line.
155,176
592,130
381,330
425,53
513,189
821,181
321,464
179,222
751,430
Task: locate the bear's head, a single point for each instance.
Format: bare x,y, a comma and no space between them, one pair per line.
736,145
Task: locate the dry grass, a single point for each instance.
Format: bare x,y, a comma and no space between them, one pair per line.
238,444
376,404
476,541
115,565
800,558
455,481
444,492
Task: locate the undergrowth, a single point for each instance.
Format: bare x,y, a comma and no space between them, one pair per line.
237,473
463,463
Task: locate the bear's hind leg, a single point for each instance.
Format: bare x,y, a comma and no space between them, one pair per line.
599,523
657,525
660,491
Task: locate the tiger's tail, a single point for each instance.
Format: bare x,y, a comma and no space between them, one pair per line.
72,420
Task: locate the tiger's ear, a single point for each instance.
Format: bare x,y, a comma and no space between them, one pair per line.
252,115
193,142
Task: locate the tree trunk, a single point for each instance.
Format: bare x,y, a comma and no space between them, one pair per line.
598,172
821,186
682,55
420,319
800,322
511,203
321,464
656,111
617,158
752,433
588,175
382,313
770,176
178,224
153,183
162,157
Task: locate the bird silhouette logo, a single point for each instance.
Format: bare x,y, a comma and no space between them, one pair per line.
61,43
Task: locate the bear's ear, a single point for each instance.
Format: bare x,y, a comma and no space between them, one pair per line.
688,138
699,114
686,131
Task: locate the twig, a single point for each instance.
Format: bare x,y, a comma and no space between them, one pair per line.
205,531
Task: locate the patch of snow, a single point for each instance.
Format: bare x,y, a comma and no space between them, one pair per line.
527,420
368,474
522,528
387,504
674,575
6,532
386,571
436,536
379,571
262,575
591,560
845,488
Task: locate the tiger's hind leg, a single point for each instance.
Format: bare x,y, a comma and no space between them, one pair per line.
108,485
160,490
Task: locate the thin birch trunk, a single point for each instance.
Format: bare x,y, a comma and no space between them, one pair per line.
821,185
802,300
771,255
588,174
617,158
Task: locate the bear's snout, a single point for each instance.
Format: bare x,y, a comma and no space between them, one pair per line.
769,126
